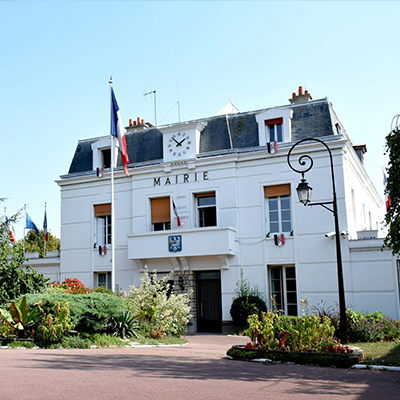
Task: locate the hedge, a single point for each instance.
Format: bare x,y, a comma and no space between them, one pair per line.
91,313
321,359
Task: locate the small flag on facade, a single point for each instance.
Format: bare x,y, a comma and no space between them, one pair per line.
10,231
103,250
30,224
176,213
100,172
45,232
387,192
272,147
279,239
118,131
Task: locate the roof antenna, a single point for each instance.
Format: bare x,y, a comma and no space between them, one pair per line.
154,92
177,95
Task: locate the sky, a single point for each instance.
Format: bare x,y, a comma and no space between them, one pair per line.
57,56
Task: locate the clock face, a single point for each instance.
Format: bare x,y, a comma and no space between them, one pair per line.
179,144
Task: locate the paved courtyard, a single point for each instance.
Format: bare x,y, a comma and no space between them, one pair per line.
195,371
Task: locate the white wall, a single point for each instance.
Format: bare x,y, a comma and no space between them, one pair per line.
238,181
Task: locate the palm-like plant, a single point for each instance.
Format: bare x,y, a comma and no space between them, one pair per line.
126,325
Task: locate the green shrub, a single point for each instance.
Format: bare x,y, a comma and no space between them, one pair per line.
244,306
309,332
104,340
86,341
24,318
261,332
127,325
391,328
14,281
102,289
6,324
17,344
296,334
160,312
244,354
322,359
91,313
56,325
372,327
76,342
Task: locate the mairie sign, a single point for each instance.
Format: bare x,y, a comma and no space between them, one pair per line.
175,243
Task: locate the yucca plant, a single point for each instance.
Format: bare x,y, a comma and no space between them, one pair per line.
126,325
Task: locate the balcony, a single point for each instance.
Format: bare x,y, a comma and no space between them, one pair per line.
211,241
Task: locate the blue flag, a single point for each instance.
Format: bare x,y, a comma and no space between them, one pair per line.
30,224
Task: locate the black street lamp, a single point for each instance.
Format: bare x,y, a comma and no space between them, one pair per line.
304,194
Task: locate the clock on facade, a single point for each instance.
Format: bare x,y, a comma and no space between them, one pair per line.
179,144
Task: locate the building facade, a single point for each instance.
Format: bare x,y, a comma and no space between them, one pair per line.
208,197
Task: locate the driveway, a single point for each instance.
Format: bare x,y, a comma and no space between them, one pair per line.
195,371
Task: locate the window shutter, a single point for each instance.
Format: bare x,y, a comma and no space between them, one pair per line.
273,121
160,210
101,210
277,190
209,194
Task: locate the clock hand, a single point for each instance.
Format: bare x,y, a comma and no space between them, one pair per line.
180,143
175,141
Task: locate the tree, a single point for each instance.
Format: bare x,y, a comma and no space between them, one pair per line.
392,217
14,281
34,242
5,225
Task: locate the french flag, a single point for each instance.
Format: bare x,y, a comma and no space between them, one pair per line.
387,192
176,213
118,130
10,231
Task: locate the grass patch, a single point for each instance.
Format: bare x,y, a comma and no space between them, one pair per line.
381,353
25,344
87,341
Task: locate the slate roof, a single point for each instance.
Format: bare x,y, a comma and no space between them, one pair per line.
312,119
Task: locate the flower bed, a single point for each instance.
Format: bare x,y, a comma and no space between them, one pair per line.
339,360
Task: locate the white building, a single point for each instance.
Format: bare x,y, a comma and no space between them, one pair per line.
233,196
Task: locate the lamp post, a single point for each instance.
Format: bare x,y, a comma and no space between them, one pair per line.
304,195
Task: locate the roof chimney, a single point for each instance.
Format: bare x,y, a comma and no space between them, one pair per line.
301,97
139,123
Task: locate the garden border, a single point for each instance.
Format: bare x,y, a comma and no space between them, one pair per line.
302,358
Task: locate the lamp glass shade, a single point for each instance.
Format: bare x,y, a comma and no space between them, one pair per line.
304,192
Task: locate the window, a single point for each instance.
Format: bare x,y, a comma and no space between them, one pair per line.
274,130
282,282
161,214
102,213
278,208
103,279
274,124
106,158
206,209
338,129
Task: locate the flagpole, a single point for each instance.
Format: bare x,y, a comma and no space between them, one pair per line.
23,241
44,237
112,145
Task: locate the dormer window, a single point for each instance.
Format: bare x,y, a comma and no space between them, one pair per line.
274,125
106,158
101,151
273,130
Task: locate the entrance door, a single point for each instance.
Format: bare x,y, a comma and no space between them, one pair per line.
209,305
